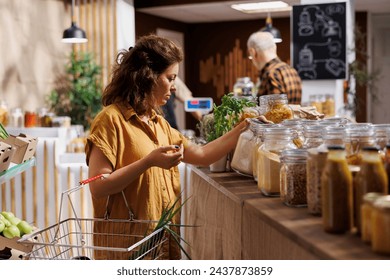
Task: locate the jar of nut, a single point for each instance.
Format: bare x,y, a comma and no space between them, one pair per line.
293,177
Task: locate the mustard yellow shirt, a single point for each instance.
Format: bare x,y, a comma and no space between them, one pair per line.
123,138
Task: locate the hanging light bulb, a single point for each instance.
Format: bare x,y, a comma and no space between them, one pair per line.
74,34
269,28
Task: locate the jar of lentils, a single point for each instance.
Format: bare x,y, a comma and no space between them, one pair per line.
293,177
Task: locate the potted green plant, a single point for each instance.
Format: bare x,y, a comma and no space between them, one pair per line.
79,95
224,117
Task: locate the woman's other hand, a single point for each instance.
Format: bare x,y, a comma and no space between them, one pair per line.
166,157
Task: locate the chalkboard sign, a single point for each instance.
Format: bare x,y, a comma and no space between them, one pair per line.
319,41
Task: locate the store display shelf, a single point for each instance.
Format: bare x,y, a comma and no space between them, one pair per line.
16,169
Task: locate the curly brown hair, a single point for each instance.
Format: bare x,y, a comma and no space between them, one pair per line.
136,72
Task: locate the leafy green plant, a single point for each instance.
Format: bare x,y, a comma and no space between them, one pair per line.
227,115
79,95
164,223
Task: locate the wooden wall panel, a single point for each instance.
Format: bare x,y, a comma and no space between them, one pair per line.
98,19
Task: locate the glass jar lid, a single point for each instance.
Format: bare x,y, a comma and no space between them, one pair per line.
371,197
382,202
294,155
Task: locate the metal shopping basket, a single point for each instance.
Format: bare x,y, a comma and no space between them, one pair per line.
92,238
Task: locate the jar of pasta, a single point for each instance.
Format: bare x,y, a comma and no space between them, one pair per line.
276,139
337,196
366,212
380,225
277,108
293,177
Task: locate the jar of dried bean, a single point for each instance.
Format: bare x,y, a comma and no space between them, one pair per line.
293,177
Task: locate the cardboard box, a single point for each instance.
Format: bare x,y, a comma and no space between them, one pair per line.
6,154
24,145
10,249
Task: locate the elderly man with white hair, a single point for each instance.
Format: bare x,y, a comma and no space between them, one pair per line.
276,76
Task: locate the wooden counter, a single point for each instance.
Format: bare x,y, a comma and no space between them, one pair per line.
233,220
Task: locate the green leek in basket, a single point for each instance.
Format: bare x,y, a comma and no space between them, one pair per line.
3,133
164,222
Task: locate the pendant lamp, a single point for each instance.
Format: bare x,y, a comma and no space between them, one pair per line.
274,31
74,34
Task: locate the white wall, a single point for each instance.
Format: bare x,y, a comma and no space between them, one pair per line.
335,87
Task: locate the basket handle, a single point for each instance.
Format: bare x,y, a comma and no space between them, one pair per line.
131,214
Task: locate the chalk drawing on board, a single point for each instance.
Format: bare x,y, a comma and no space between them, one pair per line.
322,22
307,64
319,47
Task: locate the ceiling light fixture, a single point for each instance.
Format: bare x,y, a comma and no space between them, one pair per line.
261,7
74,34
274,31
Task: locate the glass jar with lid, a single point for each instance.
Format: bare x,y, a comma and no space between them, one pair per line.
380,225
332,135
312,135
336,189
295,125
242,157
17,117
382,134
372,177
355,138
277,108
387,164
243,87
366,212
293,177
315,165
259,130
276,139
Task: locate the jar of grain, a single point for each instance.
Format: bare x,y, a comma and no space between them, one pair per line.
366,212
380,223
336,189
277,108
259,130
276,139
372,177
293,177
315,164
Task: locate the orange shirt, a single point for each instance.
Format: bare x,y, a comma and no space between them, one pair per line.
123,138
